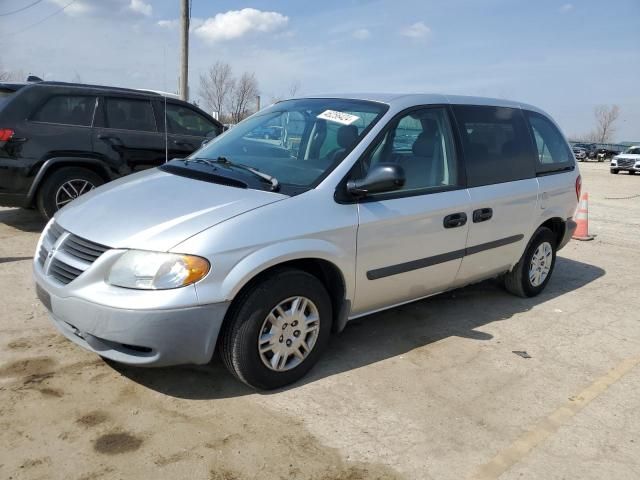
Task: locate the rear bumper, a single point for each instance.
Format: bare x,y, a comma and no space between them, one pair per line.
570,228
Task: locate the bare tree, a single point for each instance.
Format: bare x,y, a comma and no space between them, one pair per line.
243,97
10,75
294,88
606,117
216,86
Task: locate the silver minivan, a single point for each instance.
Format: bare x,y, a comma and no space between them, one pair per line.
262,246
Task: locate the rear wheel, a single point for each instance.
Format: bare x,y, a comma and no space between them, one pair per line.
631,172
615,172
532,273
63,186
277,329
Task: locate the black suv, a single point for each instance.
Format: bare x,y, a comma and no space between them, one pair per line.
60,140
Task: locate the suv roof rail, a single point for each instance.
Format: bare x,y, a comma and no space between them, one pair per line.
102,87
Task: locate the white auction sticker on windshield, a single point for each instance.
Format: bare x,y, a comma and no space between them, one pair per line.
338,117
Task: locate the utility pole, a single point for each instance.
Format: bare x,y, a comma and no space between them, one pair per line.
184,50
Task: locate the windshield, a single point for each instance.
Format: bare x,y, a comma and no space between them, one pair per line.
298,142
633,151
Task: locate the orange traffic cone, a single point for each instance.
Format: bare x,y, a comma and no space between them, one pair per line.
582,219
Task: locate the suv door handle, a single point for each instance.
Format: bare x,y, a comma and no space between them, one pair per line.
108,137
455,220
482,215
183,143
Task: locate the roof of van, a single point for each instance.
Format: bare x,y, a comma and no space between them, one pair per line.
427,98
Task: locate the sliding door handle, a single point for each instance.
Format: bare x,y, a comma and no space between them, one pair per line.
455,220
482,215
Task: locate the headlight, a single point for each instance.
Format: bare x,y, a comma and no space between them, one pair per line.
157,271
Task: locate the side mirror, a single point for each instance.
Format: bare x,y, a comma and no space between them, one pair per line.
381,178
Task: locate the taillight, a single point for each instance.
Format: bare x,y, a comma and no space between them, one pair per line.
578,186
6,134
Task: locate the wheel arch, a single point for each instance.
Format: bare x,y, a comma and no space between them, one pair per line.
320,263
557,225
55,163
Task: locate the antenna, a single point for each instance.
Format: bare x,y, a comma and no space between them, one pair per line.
166,135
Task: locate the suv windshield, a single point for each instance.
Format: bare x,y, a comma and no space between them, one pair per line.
298,142
633,151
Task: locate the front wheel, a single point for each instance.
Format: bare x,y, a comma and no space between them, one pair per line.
277,329
615,172
532,273
63,186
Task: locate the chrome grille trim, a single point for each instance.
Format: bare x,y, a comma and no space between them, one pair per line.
626,162
64,256
83,249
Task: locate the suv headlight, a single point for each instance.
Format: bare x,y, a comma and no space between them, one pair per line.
157,271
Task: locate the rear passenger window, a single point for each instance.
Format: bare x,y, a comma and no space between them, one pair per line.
553,151
67,110
497,145
130,114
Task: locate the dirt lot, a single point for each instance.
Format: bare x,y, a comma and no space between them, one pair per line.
429,390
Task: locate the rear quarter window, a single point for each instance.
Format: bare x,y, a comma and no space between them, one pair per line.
553,153
496,143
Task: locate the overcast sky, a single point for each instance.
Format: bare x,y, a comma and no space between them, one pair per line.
563,57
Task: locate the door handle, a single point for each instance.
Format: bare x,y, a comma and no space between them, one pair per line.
482,215
455,220
108,137
184,144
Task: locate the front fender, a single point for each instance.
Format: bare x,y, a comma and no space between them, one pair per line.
278,253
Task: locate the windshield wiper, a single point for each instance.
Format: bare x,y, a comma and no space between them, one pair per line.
275,185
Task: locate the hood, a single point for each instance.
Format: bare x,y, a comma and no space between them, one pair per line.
155,210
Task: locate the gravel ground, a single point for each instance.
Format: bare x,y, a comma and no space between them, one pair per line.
431,390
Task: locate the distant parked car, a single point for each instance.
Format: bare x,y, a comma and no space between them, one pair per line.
606,153
61,140
591,149
628,161
580,153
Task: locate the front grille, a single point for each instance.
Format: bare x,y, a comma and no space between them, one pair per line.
626,162
83,249
71,256
62,272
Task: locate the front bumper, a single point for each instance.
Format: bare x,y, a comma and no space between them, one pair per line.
143,337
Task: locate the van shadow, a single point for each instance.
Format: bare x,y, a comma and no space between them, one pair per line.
381,336
23,219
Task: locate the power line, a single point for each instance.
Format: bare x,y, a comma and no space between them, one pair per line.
20,9
42,20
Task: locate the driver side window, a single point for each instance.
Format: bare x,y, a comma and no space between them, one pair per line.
422,144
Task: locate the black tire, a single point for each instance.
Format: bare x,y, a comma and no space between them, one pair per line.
46,198
615,172
631,172
239,337
517,280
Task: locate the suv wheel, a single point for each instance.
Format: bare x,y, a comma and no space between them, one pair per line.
277,329
532,273
63,186
614,171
